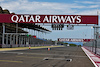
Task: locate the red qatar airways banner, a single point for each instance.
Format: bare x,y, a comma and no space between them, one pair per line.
74,40
70,19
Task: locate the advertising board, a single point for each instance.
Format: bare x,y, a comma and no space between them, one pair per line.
74,40
66,19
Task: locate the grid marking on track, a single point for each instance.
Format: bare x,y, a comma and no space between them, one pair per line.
11,61
44,54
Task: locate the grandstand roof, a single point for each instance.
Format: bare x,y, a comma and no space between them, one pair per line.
32,26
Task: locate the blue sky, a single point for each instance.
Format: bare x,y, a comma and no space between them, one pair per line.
51,6
59,7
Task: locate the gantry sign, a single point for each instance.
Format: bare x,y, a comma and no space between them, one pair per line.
74,40
70,19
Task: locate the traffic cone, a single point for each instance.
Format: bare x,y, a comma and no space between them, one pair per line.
29,47
48,49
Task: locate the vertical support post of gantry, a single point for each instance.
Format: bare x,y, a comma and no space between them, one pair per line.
3,33
6,39
16,33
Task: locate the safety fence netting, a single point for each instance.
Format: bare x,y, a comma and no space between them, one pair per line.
93,47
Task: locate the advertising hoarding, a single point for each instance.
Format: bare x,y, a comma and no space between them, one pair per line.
66,19
74,40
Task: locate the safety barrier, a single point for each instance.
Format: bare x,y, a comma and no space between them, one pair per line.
92,47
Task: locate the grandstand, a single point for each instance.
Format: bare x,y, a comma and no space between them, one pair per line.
14,35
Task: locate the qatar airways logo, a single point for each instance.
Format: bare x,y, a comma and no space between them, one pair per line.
46,19
71,40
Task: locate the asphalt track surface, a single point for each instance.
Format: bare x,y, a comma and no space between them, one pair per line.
56,57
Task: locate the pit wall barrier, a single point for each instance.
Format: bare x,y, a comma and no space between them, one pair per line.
23,45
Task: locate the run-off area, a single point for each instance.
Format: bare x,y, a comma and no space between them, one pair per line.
55,57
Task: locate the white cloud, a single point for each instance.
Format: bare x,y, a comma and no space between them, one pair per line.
88,2
94,6
37,7
88,12
27,7
1,0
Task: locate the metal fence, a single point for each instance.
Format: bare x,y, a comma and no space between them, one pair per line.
23,41
91,46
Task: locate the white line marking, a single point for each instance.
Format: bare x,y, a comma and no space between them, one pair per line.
86,52
45,54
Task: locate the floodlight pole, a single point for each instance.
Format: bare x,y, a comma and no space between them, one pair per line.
96,31
95,42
